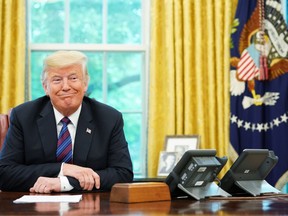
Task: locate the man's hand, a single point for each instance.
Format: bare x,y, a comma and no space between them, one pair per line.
46,185
86,176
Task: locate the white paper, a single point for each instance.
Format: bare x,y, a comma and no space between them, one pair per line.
51,198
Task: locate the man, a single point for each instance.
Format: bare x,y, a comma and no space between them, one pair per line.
30,158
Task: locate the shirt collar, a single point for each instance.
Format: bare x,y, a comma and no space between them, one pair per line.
73,118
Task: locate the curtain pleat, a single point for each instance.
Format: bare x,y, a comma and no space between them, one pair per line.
189,74
12,53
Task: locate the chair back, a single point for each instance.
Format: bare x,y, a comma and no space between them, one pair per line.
4,124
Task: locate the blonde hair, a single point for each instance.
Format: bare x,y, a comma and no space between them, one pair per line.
62,59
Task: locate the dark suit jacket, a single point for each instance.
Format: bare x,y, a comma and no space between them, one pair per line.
29,150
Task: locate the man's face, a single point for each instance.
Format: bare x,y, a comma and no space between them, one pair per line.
66,88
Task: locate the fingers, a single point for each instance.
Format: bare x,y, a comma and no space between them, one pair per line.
97,180
46,185
40,189
88,179
86,182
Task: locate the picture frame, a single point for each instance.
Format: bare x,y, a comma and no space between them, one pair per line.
181,143
167,161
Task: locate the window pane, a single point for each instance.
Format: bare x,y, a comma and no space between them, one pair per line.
95,68
124,83
124,22
86,21
36,70
132,128
47,21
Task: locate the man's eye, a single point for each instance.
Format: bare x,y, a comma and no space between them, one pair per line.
73,78
56,80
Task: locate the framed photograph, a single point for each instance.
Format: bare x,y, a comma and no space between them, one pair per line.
181,144
167,161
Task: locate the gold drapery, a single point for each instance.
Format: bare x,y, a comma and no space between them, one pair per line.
12,58
189,73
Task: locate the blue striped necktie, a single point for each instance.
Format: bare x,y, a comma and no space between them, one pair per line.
64,145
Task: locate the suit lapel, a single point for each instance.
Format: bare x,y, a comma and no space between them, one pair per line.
83,137
48,132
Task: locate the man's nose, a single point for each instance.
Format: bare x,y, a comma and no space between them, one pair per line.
66,84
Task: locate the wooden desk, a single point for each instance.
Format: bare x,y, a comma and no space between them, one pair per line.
98,203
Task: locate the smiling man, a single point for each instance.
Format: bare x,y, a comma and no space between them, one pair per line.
64,141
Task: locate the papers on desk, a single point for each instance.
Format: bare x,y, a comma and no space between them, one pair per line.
48,198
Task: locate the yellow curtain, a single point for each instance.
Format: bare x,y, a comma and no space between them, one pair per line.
12,58
189,73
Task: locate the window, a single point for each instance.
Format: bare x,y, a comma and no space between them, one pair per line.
113,34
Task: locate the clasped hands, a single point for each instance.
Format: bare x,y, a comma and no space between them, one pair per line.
86,177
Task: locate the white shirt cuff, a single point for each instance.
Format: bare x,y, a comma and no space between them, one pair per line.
64,183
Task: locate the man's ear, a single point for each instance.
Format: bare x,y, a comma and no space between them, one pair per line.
45,87
85,87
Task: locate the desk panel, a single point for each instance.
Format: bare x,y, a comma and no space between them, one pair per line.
98,203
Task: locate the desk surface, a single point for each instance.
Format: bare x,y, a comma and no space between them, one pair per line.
98,203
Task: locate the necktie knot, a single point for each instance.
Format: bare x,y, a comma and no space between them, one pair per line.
65,120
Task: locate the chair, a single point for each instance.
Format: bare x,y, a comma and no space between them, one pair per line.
4,124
